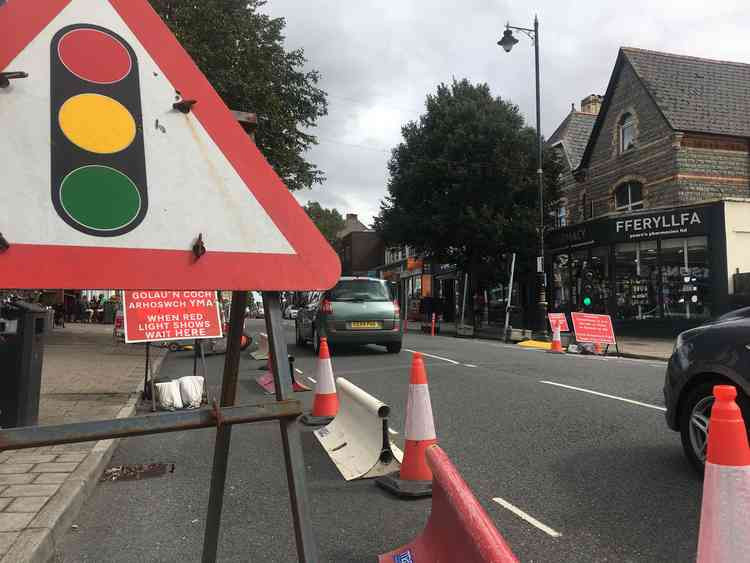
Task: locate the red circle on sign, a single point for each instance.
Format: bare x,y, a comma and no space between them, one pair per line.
94,56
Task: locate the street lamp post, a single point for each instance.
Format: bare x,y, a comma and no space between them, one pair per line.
507,42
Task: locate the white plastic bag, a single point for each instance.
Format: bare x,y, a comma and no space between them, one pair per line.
191,391
168,395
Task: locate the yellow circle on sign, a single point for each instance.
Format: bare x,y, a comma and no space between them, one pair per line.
97,123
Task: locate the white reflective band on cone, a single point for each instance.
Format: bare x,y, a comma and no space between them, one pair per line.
419,422
325,383
725,515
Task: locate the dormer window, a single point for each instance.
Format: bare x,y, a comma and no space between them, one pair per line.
629,197
627,132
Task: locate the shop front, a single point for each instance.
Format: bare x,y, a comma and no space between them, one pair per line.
666,269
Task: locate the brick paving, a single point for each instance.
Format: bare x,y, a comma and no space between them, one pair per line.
86,375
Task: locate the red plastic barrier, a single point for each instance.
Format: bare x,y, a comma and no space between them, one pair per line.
459,529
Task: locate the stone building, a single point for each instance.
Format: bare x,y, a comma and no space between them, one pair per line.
656,203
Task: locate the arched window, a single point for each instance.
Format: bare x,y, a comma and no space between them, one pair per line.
629,196
627,132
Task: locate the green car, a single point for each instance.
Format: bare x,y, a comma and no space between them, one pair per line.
356,311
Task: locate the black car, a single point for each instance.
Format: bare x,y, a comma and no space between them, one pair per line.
717,352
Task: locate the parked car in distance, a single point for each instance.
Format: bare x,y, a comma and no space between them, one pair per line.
717,352
357,310
290,312
259,312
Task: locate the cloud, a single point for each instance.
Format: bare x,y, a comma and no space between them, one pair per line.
380,59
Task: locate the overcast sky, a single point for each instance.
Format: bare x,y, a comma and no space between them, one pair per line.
379,59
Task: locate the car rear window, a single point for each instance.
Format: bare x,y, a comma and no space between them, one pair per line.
355,290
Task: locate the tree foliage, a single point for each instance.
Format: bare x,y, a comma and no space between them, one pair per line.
241,52
463,184
329,221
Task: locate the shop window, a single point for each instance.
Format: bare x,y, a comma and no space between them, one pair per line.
629,196
636,280
560,297
600,266
627,132
560,216
686,278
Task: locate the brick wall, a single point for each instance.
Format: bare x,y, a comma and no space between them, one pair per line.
674,168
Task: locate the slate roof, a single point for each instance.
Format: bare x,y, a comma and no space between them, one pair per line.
699,95
574,134
693,94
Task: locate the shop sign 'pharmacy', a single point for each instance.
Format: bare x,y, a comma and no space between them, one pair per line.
664,224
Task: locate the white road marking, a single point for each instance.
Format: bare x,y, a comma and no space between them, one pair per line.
530,519
311,379
623,399
299,371
469,365
392,431
435,357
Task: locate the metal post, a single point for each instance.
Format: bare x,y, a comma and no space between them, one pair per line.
195,356
307,550
541,278
145,371
224,432
510,298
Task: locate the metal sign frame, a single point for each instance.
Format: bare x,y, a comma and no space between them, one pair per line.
222,415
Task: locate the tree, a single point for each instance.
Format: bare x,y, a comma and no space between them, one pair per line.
463,187
328,221
241,52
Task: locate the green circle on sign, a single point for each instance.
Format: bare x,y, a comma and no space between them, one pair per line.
100,197
587,301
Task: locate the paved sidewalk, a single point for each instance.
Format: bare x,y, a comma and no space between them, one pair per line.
85,376
630,346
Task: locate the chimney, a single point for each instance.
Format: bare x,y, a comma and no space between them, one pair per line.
591,104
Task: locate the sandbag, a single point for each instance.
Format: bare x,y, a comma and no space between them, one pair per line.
168,395
191,391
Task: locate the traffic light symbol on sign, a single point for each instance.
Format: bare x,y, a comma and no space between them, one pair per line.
98,160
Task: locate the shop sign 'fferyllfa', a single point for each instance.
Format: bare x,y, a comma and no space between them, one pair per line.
107,184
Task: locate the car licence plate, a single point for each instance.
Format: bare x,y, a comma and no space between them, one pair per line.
359,325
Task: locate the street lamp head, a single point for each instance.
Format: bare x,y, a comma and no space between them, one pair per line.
507,41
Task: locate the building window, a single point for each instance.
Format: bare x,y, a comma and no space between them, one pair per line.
629,197
627,132
560,216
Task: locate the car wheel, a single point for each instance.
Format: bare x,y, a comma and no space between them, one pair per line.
393,347
173,347
316,341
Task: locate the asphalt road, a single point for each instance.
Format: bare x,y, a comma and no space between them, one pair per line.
604,474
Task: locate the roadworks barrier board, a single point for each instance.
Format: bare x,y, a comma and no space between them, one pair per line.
357,440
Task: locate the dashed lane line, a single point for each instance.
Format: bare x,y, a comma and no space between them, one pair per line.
299,371
311,379
470,366
530,519
597,393
454,362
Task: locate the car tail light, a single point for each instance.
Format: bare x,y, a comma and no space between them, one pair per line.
396,309
326,307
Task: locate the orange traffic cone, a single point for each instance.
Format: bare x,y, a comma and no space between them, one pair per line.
598,348
326,403
724,530
556,346
415,477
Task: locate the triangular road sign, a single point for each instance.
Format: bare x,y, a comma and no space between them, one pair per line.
105,184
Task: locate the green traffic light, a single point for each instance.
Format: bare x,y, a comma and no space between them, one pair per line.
587,301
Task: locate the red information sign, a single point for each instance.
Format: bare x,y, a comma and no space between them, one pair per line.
171,315
559,318
593,328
